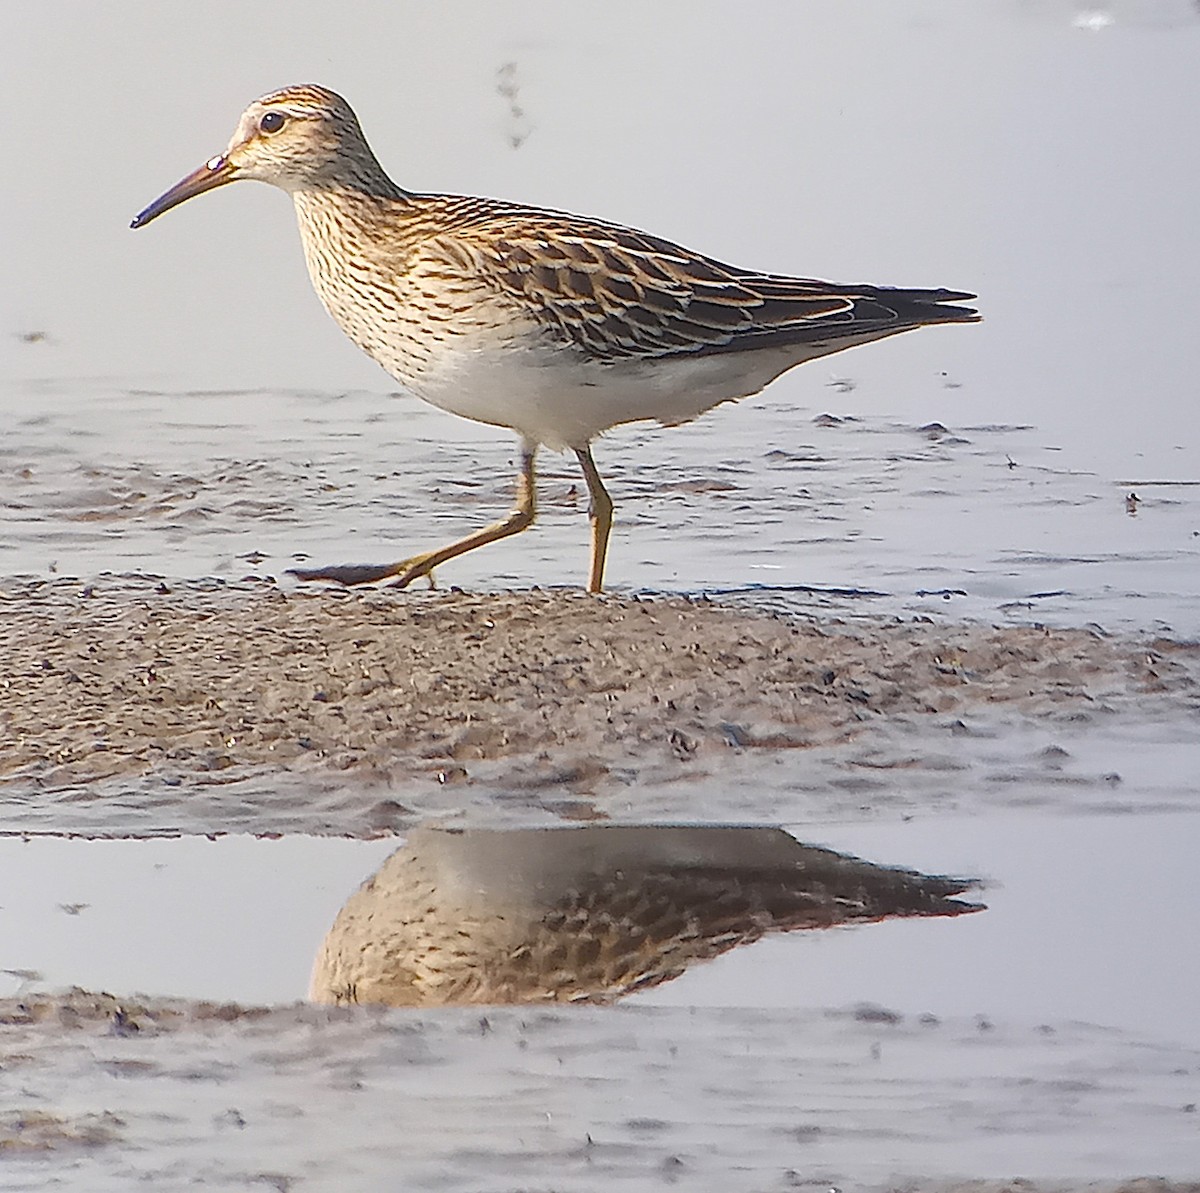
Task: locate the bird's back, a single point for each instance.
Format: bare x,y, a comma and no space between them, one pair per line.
479,305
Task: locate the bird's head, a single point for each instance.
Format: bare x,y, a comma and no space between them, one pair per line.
300,138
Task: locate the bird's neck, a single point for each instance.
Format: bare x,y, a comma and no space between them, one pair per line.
341,218
351,239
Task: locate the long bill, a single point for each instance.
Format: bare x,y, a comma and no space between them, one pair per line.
217,171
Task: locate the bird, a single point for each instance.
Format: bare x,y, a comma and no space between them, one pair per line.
559,327
591,913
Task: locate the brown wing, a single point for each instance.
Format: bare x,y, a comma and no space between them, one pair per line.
621,294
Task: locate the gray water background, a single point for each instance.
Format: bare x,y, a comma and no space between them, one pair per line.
175,401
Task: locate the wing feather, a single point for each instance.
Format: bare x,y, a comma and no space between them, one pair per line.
618,294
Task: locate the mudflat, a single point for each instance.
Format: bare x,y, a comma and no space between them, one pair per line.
131,677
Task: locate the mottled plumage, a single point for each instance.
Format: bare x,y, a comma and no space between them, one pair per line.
555,325
593,913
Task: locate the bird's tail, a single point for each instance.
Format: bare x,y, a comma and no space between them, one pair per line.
927,306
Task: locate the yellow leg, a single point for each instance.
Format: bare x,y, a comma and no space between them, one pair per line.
408,570
600,513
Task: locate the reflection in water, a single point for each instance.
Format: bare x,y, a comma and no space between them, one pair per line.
591,913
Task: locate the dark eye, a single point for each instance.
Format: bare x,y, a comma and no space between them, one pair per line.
271,122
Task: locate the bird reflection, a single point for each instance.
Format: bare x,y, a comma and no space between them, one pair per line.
589,914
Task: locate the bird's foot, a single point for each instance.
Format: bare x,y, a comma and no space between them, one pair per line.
408,570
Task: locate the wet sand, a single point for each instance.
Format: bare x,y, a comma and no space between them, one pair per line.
158,1091
185,688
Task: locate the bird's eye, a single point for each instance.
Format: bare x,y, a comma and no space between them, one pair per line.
271,122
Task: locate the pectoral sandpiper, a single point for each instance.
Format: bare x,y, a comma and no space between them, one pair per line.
592,913
558,326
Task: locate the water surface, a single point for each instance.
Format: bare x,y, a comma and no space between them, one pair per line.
175,403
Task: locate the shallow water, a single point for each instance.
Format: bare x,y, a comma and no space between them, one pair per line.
175,404
765,500
179,404
1066,934
1050,1034
628,1097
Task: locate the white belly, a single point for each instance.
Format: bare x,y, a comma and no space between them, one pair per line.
560,401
